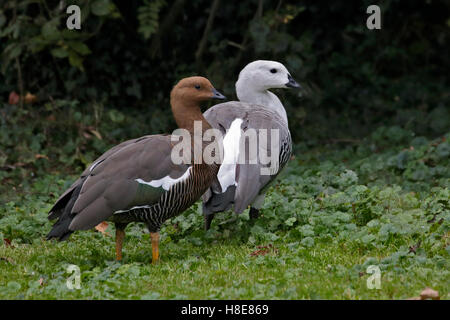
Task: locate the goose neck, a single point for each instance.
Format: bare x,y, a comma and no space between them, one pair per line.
188,115
262,97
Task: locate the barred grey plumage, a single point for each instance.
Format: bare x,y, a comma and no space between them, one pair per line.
177,199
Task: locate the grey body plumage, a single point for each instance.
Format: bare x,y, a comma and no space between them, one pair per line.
260,109
122,165
250,183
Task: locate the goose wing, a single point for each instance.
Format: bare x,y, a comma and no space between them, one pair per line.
248,178
60,204
135,173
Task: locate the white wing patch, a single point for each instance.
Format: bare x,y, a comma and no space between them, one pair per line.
166,182
135,207
231,142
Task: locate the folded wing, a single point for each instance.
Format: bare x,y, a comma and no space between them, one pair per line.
250,179
134,173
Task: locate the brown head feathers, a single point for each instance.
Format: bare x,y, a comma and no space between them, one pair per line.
185,99
195,89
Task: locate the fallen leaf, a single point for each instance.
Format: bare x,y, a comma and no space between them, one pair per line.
19,164
13,98
86,135
429,293
435,144
40,156
7,243
96,133
8,167
9,260
259,253
348,293
30,98
263,250
101,227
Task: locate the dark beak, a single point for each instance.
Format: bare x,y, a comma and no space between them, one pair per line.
292,83
217,95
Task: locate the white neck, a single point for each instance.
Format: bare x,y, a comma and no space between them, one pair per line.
265,98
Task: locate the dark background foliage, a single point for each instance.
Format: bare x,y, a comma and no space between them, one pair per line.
111,80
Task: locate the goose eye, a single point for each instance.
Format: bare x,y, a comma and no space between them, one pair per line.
273,70
197,86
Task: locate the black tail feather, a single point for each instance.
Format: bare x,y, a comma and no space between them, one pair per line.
59,206
60,229
218,202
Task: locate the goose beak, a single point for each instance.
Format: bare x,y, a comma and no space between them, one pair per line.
292,83
217,95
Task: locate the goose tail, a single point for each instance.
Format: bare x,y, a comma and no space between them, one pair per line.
60,229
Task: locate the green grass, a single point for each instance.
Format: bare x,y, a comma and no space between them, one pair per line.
331,215
222,271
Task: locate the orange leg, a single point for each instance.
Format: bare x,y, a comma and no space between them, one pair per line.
155,246
120,235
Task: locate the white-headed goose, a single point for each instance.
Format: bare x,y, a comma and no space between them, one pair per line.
137,181
242,185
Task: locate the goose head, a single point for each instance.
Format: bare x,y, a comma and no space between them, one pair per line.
194,90
262,75
186,97
257,78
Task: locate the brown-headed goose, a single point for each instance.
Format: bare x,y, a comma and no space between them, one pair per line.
242,184
137,181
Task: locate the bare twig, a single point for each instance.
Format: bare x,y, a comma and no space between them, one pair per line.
19,69
235,44
49,12
165,27
20,82
278,6
259,10
209,24
258,15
